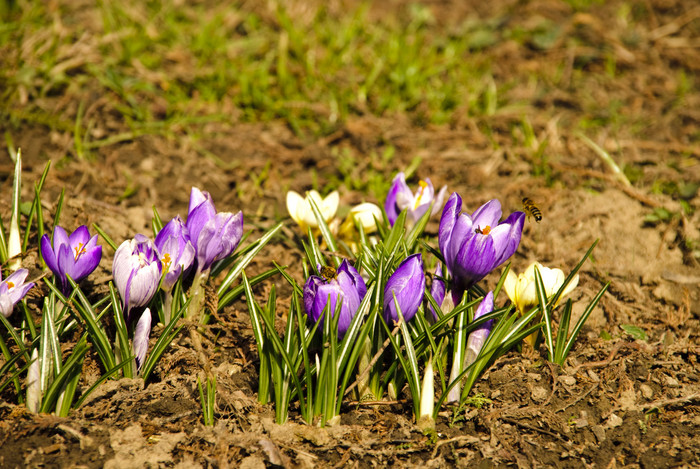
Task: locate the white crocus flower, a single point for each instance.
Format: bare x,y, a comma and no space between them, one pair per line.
300,209
365,215
522,291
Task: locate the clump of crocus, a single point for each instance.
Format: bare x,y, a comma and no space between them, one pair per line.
476,341
365,215
300,209
406,287
473,245
77,255
522,290
400,197
344,285
13,289
137,271
215,235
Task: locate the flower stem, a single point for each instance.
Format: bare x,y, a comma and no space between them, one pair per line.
197,299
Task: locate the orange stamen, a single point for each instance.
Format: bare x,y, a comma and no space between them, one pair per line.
10,285
483,231
79,249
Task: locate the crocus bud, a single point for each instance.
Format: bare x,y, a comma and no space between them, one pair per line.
34,394
300,209
522,290
142,332
407,284
12,290
427,398
213,235
473,245
77,255
137,270
400,197
345,285
176,251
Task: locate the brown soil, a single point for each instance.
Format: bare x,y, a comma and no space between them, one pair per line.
617,403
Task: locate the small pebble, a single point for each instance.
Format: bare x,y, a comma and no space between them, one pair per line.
568,380
599,433
646,391
614,421
539,394
671,382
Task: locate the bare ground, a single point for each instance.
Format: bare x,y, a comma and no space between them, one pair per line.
617,403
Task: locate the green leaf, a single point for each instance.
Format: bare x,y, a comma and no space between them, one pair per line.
243,262
635,332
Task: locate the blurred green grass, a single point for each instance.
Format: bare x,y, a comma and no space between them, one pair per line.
159,67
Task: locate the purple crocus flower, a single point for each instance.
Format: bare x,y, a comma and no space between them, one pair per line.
137,271
214,235
345,285
176,251
475,245
401,197
13,289
407,284
76,255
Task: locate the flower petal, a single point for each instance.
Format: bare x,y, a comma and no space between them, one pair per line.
450,214
507,245
488,214
358,281
329,205
439,200
48,255
407,284
295,203
391,206
197,197
80,236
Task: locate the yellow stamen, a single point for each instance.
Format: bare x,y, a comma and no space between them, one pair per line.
483,231
422,185
79,249
10,285
166,261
